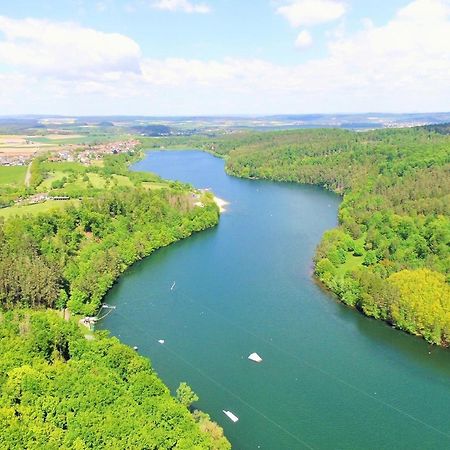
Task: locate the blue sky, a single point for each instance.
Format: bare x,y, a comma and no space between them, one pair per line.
180,57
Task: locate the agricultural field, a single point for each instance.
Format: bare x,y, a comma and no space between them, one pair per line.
23,147
11,145
12,175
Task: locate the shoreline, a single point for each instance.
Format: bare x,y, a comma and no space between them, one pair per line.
221,203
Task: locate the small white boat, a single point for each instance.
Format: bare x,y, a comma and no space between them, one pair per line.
230,415
255,357
161,341
135,348
173,285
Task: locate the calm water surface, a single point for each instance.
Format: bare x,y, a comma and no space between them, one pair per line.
330,379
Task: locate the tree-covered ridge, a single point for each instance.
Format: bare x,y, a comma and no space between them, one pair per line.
59,390
394,218
72,257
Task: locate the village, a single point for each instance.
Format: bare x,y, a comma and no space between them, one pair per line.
91,153
19,151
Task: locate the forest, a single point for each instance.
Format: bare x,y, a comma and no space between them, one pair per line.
61,386
390,255
59,390
72,256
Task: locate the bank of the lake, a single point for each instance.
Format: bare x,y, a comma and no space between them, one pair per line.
330,378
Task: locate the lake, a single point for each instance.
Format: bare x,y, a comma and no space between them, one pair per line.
330,377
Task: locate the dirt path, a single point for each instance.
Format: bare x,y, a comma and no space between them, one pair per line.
28,176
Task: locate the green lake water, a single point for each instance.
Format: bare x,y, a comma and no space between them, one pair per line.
330,377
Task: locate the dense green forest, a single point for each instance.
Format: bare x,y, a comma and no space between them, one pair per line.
72,257
59,390
390,255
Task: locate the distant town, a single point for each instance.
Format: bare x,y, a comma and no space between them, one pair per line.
16,155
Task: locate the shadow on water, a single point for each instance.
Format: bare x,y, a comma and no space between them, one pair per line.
414,348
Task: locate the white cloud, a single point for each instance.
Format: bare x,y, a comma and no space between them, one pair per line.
304,39
182,5
65,49
425,10
311,12
402,65
390,64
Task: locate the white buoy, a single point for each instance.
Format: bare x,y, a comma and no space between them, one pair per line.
255,357
230,415
161,341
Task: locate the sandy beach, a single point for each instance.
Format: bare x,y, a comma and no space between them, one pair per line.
221,204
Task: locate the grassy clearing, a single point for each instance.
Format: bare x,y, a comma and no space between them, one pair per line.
63,167
12,175
47,183
76,180
97,181
352,263
47,206
122,180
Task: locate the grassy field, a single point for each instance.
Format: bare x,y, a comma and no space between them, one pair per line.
122,180
96,180
49,205
12,175
63,166
59,170
47,183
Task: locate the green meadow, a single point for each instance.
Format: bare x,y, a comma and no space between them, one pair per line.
14,175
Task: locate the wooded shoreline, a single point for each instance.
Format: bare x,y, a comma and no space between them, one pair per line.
390,255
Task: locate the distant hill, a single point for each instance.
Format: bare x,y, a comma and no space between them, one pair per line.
441,128
152,130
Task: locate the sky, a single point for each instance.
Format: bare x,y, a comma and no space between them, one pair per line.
223,57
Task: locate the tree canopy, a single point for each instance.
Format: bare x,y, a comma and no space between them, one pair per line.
59,390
